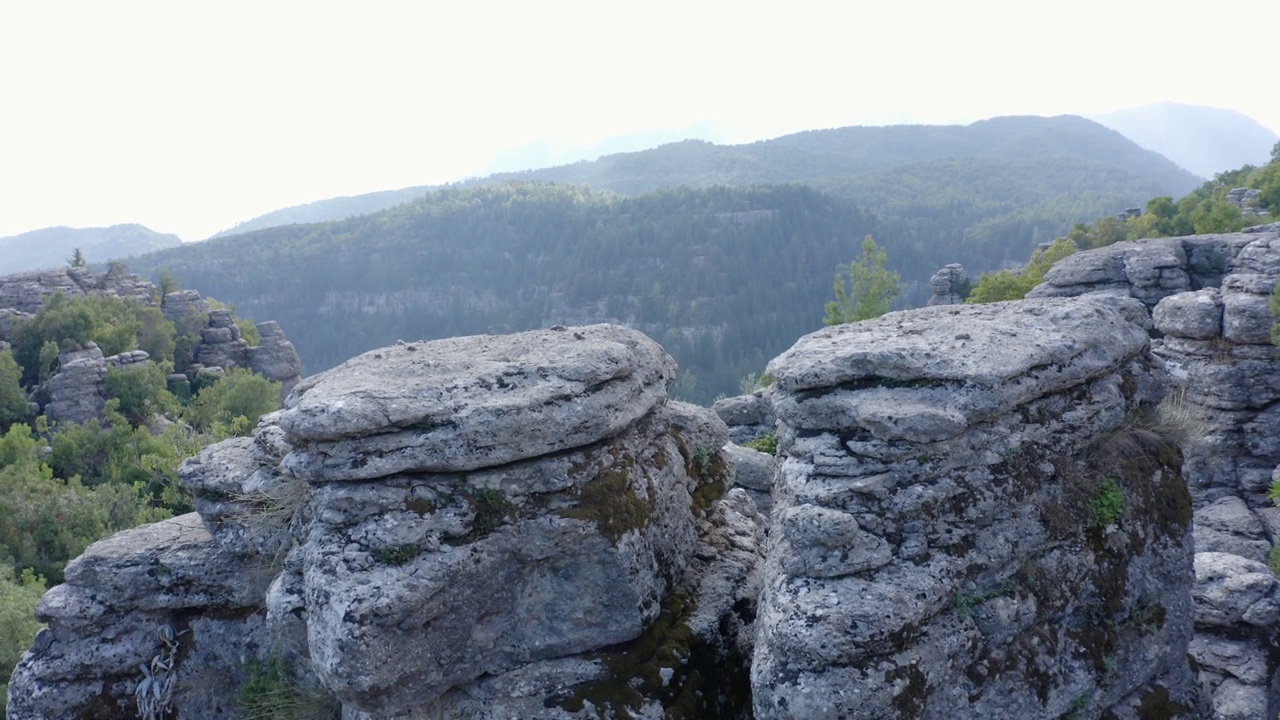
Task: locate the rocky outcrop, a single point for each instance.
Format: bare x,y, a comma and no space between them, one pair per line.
78,391
1247,200
1209,300
1208,296
1237,604
973,521
126,602
950,285
518,526
748,416
274,357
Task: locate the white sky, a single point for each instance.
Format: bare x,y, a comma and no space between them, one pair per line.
190,117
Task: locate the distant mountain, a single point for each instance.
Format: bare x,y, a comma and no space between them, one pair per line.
818,157
1204,140
53,246
339,208
826,155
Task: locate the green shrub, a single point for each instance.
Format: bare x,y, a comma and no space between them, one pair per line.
240,393
142,390
18,624
13,400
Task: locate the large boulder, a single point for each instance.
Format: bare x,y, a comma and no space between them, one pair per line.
519,526
971,521
131,605
78,391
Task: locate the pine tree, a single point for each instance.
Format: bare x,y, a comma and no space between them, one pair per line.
871,288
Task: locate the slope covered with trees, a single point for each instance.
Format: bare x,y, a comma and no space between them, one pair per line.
725,278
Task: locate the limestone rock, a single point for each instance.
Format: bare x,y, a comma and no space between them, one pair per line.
108,619
465,403
691,663
1228,526
1237,604
1231,590
748,416
1195,315
78,390
182,303
274,357
950,285
753,471
939,547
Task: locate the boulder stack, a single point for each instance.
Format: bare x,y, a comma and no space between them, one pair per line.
974,519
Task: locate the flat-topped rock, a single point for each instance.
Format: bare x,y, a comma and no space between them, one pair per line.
927,374
466,403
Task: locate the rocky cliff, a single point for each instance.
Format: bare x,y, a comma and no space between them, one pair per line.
1209,298
519,526
976,517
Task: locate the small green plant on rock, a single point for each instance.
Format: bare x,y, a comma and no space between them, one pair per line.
1108,504
398,555
764,444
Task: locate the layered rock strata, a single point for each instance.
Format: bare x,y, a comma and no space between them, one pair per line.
517,526
1208,296
973,519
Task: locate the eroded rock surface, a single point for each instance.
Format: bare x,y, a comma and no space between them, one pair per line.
969,524
518,526
110,617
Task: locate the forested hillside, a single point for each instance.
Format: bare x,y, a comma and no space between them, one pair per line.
956,162
725,278
823,155
692,246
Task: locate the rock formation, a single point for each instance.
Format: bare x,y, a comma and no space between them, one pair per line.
748,416
1209,300
971,521
517,526
950,285
77,391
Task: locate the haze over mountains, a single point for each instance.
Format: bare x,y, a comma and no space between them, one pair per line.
51,247
824,158
1204,140
723,253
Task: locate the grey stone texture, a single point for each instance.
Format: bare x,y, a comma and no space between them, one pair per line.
937,547
1209,298
950,285
471,575
105,623
748,416
78,391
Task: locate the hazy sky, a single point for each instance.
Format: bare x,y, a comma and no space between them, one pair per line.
190,117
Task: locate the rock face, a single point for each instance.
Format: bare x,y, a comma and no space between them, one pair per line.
1209,300
122,600
1208,296
971,522
518,526
78,391
748,416
950,285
